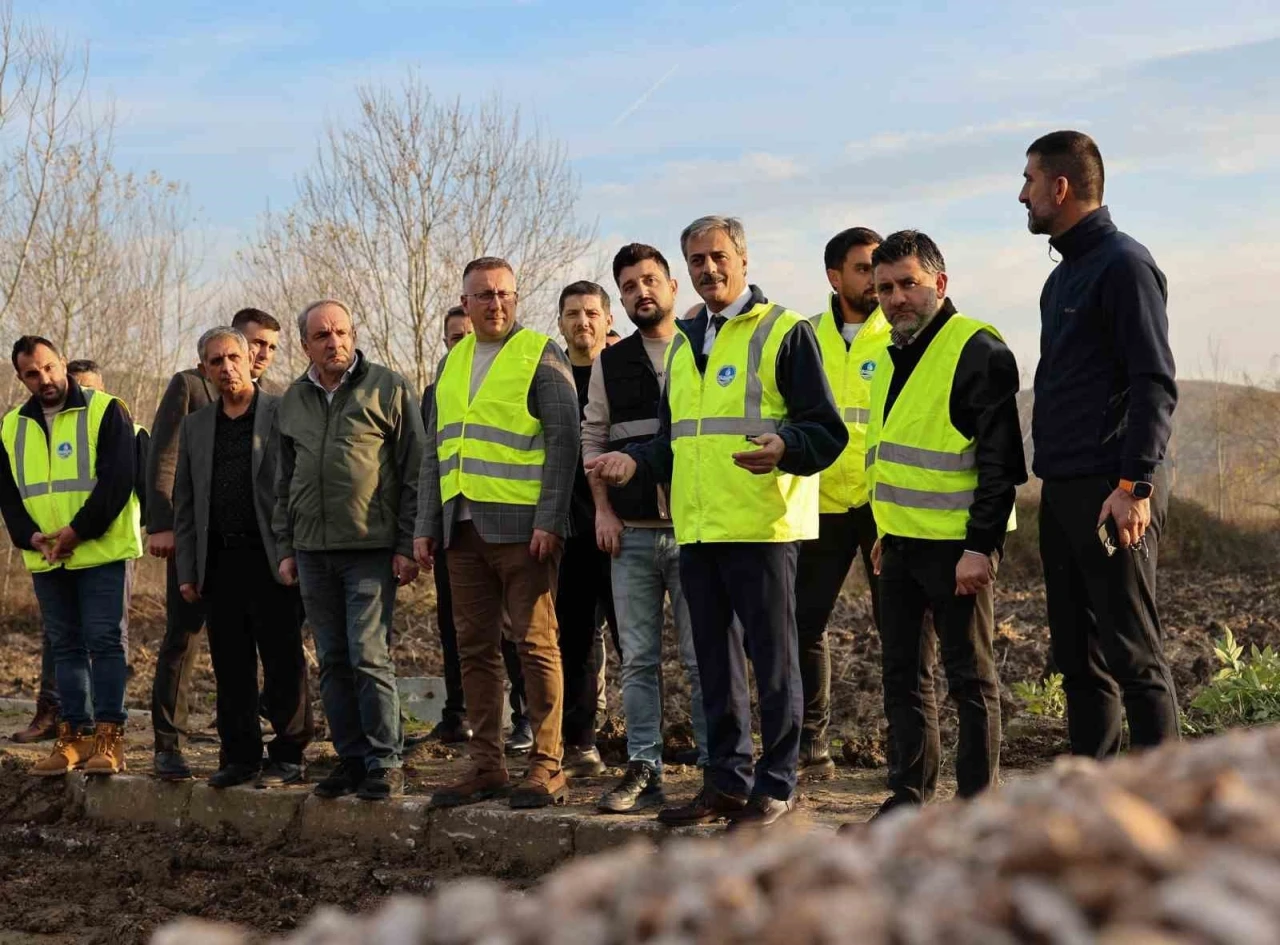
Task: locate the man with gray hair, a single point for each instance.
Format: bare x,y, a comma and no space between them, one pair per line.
346,502
223,499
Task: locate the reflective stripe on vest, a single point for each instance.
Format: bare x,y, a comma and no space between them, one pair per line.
922,470
490,448
712,416
55,483
849,369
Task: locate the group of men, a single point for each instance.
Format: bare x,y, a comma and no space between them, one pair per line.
732,463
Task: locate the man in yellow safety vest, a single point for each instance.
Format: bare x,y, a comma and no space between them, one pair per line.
944,458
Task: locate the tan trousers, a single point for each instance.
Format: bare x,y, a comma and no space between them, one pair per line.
484,578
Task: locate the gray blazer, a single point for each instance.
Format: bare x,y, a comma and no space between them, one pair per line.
193,483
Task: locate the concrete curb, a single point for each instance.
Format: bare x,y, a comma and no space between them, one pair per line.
487,837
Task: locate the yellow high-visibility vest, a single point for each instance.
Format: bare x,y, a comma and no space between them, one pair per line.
55,484
712,417
849,368
922,471
490,447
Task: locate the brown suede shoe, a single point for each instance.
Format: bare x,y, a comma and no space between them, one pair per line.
475,787
108,749
539,788
71,750
44,725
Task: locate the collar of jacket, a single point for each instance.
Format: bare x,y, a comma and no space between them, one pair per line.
357,373
33,410
1085,235
703,319
927,334
634,340
836,313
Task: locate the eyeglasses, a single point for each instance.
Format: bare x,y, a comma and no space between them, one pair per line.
489,297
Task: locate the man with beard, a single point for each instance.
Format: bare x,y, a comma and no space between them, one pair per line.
1105,396
944,458
853,335
67,495
585,589
746,420
633,523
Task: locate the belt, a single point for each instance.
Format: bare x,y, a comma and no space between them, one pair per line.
235,540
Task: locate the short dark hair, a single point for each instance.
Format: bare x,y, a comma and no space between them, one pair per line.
907,243
583,287
456,311
27,345
1075,156
255,316
484,263
83,366
838,246
634,253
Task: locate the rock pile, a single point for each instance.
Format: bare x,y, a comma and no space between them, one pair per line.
1180,846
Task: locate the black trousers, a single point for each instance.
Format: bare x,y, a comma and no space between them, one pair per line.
916,576
251,615
586,590
175,662
757,582
455,703
1104,628
823,566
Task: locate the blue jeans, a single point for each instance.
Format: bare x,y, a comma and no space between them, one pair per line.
83,612
48,694
647,569
349,597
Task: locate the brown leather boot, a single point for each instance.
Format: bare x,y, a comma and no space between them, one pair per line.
44,725
540,788
108,749
475,786
71,750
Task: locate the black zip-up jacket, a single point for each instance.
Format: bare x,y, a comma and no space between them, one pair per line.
1105,390
116,473
814,432
984,407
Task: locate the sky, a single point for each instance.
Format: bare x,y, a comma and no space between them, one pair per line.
801,119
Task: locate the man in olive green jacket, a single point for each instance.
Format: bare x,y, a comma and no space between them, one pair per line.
346,501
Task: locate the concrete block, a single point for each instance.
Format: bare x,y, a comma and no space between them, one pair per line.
422,697
398,822
131,799
260,815
493,837
597,833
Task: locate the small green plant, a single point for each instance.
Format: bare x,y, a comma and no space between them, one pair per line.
1243,692
1045,699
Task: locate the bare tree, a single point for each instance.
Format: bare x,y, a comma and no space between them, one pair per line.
397,202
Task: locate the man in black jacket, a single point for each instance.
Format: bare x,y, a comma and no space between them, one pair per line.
1105,396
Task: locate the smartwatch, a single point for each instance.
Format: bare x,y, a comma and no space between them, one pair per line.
1139,489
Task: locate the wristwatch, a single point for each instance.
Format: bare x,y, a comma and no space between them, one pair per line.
1139,489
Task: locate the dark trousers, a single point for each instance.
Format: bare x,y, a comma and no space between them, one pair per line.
916,576
251,615
455,703
585,586
823,566
175,661
1104,629
757,582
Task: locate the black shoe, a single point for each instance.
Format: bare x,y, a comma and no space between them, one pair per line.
815,762
521,738
171,766
892,803
280,773
235,773
453,730
761,811
640,787
345,779
582,763
709,804
382,783
686,756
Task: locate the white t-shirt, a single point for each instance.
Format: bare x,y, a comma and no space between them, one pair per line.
850,331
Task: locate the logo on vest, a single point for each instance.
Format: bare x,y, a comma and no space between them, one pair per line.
725,376
64,450
866,369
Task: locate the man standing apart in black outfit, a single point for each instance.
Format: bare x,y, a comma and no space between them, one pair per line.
944,459
1105,396
223,500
